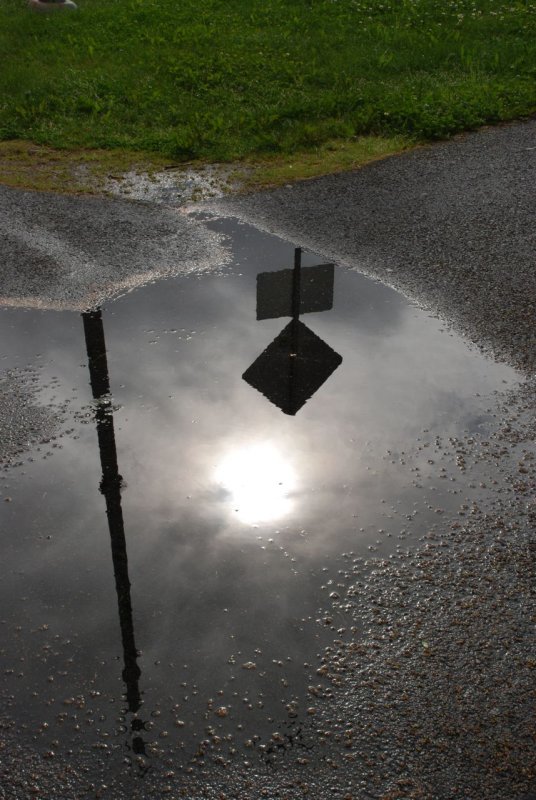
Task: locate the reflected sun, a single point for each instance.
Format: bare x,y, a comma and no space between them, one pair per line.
259,480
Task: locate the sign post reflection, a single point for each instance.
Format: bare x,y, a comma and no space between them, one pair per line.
110,487
296,364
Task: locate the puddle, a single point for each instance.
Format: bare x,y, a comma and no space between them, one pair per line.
169,557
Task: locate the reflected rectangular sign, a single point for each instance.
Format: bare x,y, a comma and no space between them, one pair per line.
275,291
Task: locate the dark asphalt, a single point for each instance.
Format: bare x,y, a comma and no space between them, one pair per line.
436,699
72,252
451,225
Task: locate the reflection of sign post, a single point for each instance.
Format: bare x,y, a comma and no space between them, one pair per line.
110,487
296,364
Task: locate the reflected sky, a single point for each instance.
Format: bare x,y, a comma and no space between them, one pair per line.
235,514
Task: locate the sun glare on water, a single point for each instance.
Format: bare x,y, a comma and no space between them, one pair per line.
259,480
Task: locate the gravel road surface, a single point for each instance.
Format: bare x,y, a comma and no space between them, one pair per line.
439,696
434,697
73,252
452,225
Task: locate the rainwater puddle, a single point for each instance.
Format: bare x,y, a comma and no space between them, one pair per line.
168,559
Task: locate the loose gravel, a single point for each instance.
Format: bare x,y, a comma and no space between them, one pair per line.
435,696
431,673
76,252
450,225
25,422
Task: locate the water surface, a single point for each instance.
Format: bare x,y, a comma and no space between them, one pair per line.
168,559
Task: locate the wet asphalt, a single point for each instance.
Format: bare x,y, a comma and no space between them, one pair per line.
438,701
451,225
73,252
435,701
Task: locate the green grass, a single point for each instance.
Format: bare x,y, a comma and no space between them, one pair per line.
26,165
225,79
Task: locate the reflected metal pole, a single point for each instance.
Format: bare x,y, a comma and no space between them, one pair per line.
110,487
296,299
296,284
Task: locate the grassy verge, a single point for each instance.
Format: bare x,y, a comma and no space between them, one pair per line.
334,156
213,80
25,165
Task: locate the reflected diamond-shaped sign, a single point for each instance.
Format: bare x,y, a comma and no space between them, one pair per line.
293,367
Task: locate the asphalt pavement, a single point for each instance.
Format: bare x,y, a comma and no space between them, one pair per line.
451,225
435,699
59,251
